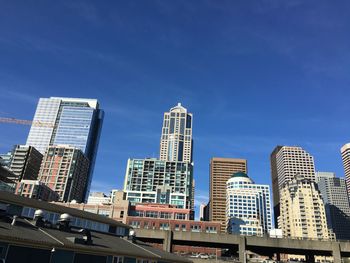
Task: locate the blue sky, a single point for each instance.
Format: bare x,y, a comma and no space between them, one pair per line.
255,74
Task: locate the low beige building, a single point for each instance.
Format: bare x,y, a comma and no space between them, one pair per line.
302,210
117,209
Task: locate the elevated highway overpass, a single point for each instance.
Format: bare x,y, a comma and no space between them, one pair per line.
261,245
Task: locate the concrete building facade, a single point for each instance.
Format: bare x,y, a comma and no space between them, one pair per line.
156,181
5,159
176,139
98,198
302,209
345,155
335,198
286,163
201,212
248,206
221,170
70,121
6,184
36,190
65,170
117,209
25,162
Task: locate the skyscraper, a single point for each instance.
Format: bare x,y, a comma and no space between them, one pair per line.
221,169
25,162
65,170
157,181
302,210
248,206
335,198
345,155
169,179
286,163
69,121
176,140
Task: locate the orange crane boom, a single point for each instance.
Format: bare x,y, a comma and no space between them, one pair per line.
25,122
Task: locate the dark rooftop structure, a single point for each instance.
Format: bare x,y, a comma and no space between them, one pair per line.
239,174
39,239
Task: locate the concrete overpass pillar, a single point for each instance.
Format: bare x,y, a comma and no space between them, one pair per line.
168,240
336,252
242,249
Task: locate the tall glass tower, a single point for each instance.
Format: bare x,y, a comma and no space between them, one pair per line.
69,121
176,141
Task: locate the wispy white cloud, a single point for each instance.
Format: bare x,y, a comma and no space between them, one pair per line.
62,50
200,197
10,94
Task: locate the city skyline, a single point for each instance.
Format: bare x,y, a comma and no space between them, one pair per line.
286,102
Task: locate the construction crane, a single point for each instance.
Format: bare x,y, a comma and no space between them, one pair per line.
26,122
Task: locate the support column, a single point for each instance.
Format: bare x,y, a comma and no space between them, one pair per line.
336,252
168,240
242,249
310,258
278,256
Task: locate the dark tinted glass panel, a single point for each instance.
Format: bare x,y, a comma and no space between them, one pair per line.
28,255
129,260
180,152
85,258
337,182
172,121
189,121
182,126
62,256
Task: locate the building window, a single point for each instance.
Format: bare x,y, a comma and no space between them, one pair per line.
164,215
118,260
164,226
180,216
210,229
196,228
152,214
135,224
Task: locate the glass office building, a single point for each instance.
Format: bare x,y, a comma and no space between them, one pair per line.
69,121
248,206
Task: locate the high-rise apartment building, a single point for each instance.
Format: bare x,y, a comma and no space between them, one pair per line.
335,197
302,210
345,155
286,163
176,140
248,206
68,121
25,163
65,170
157,181
221,169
